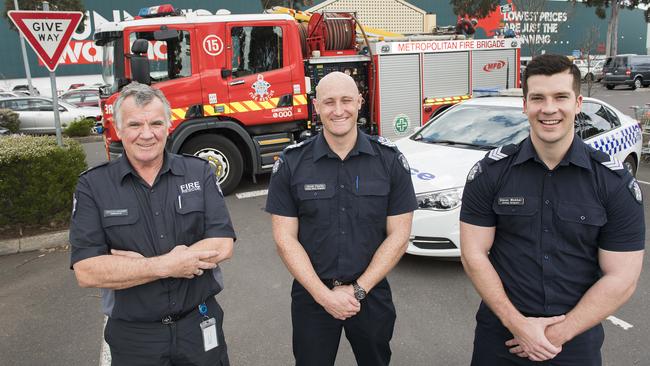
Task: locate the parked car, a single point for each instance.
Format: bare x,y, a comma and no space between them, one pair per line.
630,70
25,88
442,152
36,113
82,97
590,70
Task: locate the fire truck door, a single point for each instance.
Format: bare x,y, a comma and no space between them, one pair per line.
260,89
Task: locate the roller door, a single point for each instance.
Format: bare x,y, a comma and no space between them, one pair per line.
399,92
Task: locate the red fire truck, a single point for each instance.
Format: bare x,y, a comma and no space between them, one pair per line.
240,86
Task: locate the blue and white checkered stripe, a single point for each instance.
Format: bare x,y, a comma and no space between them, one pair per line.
613,143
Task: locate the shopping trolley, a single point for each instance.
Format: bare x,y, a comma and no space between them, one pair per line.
642,114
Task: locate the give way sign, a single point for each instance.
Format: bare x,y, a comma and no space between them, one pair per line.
48,32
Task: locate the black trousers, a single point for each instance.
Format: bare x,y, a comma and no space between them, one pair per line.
490,349
179,343
316,334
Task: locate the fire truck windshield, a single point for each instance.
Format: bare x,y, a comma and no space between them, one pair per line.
108,65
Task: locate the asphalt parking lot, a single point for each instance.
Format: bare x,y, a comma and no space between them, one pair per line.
47,320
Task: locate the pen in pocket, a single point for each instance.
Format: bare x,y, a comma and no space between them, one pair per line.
180,205
357,183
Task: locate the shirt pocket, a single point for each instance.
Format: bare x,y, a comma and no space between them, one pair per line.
580,223
372,201
520,218
121,230
314,205
190,210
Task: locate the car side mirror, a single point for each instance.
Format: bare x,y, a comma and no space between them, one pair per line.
226,73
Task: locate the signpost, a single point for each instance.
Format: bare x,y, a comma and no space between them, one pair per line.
48,33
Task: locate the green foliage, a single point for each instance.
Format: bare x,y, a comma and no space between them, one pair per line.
9,120
55,5
79,127
473,8
37,179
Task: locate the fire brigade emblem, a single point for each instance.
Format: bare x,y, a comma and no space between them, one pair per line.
635,190
277,165
474,172
261,92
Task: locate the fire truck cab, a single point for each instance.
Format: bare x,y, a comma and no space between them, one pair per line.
234,82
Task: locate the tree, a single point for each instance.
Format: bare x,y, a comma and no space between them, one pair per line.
58,5
291,4
473,8
612,25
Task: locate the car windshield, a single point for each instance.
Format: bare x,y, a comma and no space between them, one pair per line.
482,127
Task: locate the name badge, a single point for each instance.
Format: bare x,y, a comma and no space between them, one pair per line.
511,201
209,332
114,213
315,187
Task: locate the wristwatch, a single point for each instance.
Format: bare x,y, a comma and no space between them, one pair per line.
359,292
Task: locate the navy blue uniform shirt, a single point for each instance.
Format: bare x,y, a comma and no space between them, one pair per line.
550,224
341,205
115,209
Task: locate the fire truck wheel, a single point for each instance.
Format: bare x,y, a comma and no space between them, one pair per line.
222,154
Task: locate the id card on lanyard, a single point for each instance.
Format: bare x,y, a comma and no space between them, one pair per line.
208,329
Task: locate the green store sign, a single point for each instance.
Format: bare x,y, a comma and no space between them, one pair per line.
401,124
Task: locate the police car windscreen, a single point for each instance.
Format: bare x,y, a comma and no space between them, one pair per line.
477,126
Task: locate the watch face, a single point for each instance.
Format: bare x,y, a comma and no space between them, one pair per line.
359,292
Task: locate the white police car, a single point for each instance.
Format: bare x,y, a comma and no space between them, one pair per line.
442,152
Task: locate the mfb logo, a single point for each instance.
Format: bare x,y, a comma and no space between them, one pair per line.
494,66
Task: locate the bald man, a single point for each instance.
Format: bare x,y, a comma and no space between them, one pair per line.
341,205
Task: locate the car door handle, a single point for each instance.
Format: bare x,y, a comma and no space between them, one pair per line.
236,82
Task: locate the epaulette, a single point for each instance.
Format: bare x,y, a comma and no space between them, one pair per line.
500,153
94,167
384,141
299,144
195,157
608,161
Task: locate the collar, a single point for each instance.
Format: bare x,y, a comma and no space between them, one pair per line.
170,163
577,154
362,145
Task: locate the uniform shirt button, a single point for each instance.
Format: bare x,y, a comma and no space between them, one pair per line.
343,232
173,303
550,174
162,236
547,202
546,257
156,213
342,186
342,208
582,217
546,230
153,190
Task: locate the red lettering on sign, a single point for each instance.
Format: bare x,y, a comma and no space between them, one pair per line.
494,66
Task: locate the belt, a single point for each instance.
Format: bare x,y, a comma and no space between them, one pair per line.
333,282
172,318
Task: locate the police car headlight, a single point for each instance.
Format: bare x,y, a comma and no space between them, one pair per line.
445,200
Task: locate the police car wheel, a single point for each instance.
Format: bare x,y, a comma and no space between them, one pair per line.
222,154
630,165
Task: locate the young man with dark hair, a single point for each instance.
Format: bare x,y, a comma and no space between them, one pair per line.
552,233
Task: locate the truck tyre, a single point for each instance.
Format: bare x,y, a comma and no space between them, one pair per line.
609,86
630,165
222,154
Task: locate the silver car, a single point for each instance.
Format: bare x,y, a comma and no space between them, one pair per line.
36,114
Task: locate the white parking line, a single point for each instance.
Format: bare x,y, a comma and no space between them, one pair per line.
640,181
621,323
105,356
261,192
